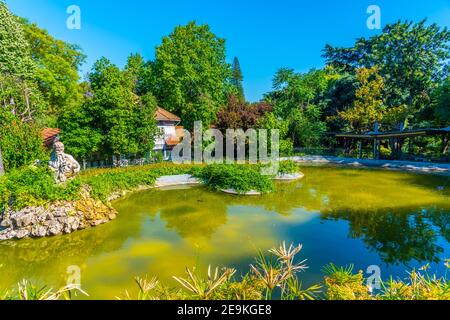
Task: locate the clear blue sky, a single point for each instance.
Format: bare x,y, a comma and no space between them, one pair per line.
265,35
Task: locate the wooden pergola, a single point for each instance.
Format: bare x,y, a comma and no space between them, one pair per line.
377,137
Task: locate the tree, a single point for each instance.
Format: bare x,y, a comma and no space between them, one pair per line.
237,78
113,120
441,103
297,98
191,74
57,69
134,71
80,136
18,91
271,122
412,58
15,57
339,96
239,114
20,142
368,106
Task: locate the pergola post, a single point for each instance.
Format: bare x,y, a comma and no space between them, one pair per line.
360,149
375,149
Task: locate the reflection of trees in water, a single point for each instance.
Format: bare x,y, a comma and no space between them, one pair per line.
441,219
398,215
398,237
398,232
191,212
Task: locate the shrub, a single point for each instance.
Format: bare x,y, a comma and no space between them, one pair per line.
34,186
20,143
287,167
343,284
242,178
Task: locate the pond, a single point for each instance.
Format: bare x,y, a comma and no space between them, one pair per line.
366,217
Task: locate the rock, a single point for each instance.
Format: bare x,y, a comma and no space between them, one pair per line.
23,219
7,234
55,228
22,233
71,224
112,216
6,223
57,218
249,193
289,176
38,231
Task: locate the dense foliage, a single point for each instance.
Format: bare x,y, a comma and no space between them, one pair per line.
191,74
113,120
34,186
238,114
241,178
21,143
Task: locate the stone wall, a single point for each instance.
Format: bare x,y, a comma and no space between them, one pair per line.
58,218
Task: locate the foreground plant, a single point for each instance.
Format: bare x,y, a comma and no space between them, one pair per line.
204,288
29,291
343,284
279,270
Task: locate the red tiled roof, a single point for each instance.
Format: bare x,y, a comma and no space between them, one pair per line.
172,141
164,115
49,135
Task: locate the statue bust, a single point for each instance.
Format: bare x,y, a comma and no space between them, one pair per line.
63,165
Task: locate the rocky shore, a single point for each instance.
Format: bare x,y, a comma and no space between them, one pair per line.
58,218
64,217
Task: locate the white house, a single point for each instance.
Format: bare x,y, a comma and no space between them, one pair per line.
170,132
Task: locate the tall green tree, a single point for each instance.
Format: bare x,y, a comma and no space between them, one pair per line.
237,78
58,64
15,55
368,106
413,58
20,101
296,99
441,103
191,74
134,71
21,142
113,120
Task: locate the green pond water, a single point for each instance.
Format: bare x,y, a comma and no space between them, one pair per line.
367,217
